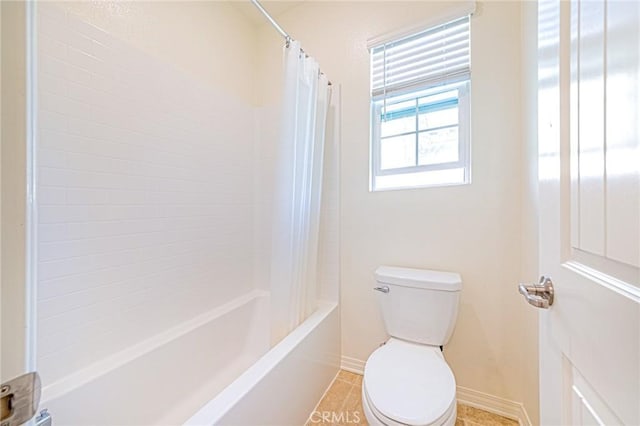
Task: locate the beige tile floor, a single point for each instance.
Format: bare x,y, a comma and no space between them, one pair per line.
342,406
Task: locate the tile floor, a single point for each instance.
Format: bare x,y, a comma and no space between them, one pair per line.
342,405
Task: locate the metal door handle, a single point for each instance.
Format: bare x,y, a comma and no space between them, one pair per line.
538,295
383,289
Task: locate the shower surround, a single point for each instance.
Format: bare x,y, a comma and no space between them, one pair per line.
153,213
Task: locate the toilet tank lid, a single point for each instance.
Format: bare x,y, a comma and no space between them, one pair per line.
419,278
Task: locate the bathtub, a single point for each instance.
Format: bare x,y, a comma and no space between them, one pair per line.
218,368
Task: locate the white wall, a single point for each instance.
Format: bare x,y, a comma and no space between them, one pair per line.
473,229
145,174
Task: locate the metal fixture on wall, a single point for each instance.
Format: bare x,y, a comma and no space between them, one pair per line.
287,38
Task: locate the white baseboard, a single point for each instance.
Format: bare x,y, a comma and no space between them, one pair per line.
493,404
352,364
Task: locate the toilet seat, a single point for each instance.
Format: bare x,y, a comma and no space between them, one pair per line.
409,384
375,418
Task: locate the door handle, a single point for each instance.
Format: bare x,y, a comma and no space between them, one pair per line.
538,295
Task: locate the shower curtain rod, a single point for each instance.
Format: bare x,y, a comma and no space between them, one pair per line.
287,38
283,33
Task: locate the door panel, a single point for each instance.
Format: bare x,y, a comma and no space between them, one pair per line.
587,47
589,159
623,132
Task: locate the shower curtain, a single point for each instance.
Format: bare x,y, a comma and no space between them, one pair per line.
296,222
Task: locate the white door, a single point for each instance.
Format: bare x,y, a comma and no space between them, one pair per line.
589,182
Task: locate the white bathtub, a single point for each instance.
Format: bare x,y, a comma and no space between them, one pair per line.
216,369
284,386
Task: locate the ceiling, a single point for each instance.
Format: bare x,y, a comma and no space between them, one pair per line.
274,7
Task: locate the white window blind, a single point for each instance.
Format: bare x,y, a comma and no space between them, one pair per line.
439,55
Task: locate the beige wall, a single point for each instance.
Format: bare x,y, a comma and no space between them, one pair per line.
476,229
528,322
13,154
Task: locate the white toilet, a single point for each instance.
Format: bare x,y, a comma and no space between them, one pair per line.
407,381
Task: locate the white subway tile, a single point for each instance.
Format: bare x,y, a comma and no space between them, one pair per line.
77,74
83,59
48,65
53,48
55,121
51,196
80,42
145,192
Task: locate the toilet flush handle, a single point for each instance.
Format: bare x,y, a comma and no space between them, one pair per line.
383,289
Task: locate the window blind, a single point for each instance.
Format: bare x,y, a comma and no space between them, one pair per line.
439,55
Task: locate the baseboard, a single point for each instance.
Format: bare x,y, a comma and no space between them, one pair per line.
353,365
493,404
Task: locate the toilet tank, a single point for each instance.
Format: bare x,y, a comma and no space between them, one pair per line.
420,305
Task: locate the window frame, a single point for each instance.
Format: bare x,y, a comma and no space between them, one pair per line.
464,138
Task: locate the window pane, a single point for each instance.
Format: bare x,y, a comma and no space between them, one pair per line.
418,135
398,125
438,118
439,97
438,146
399,151
398,118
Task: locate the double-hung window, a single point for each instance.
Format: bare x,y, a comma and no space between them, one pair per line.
420,108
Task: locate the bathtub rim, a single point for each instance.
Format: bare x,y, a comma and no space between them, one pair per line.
221,404
114,361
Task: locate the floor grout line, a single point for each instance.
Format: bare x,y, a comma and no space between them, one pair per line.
466,415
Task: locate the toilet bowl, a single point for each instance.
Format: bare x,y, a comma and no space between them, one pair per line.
407,381
408,384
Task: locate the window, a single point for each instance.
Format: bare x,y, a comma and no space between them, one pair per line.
420,109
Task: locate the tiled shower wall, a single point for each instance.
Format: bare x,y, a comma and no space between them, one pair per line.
144,192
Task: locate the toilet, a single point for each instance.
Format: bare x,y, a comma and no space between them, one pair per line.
407,380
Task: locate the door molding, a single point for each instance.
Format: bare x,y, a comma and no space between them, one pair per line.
605,280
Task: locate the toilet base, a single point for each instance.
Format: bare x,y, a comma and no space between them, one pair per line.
373,420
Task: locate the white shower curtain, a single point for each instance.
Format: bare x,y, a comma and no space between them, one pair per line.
296,222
